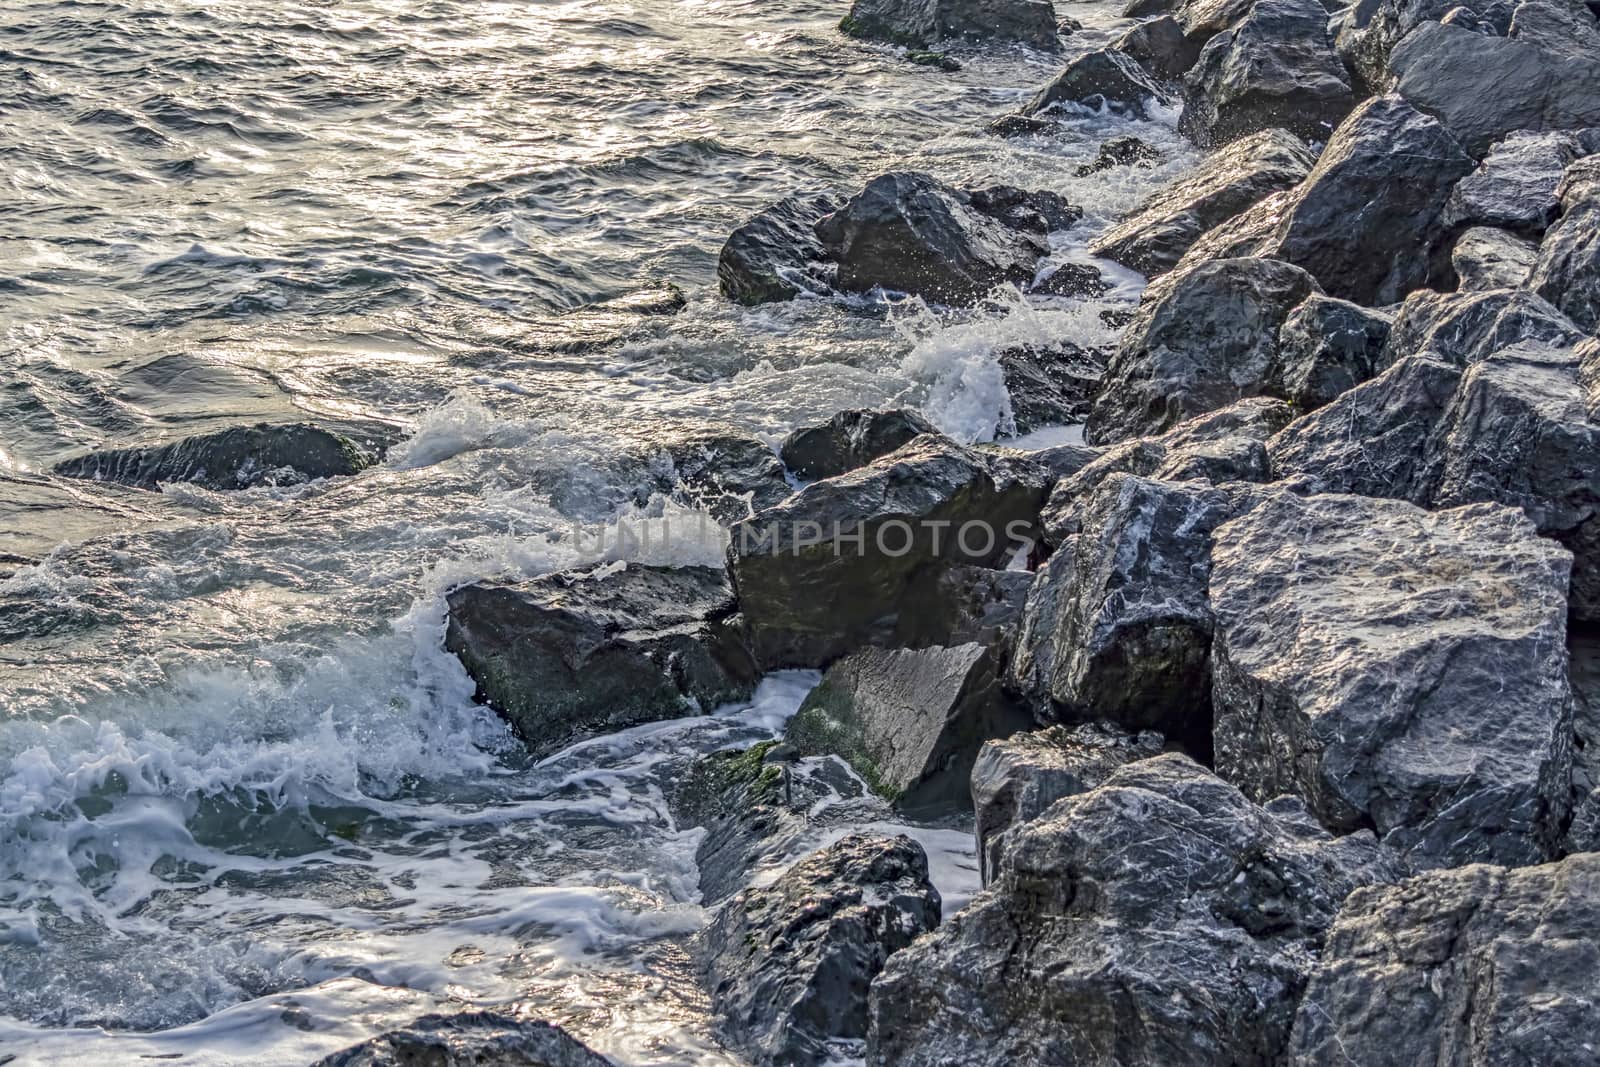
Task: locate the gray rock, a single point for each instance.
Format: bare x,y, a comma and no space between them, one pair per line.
1016,779
1366,222
849,440
470,1039
1562,29
1366,38
1275,68
1121,152
1479,966
1199,341
910,721
1158,919
1583,832
1071,279
1105,78
723,471
567,655
1398,669
1204,19
1228,183
1326,348
789,964
1245,236
1514,188
1050,385
1470,326
1486,258
962,605
240,457
1160,46
1033,653
1567,272
776,255
920,23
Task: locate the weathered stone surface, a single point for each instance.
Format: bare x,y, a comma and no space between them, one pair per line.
1160,46
1514,188
723,471
1160,918
1204,19
1468,327
1485,258
1365,222
569,655
1326,348
1567,272
1246,235
1583,832
849,440
470,1039
1121,152
236,458
789,964
910,721
1275,68
962,605
1398,669
1199,341
1016,779
1371,30
1071,279
1050,386
920,23
1105,78
1228,183
823,573
1478,966
776,255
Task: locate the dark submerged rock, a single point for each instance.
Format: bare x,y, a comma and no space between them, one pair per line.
240,457
849,440
1050,386
1121,152
1105,78
776,255
919,23
470,1039
962,605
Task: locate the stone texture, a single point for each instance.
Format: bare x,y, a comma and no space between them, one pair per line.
1514,188
1105,78
849,440
1467,327
1160,46
775,256
920,23
1567,272
470,1039
1485,258
1050,385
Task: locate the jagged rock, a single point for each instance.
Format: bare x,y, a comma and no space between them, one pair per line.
1469,19
1368,36
849,440
470,1039
1019,126
1275,68
789,964
822,573
1514,188
962,605
1486,258
1050,386
1567,272
1160,918
1365,222
1032,212
776,255
1228,183
723,471
1200,341
236,458
1204,19
1016,779
1327,347
1245,236
569,655
1071,279
910,721
1121,152
1105,78
914,234
1161,47
919,23
1479,966
1398,669
1561,29
1470,326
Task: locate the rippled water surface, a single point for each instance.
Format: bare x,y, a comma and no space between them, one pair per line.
248,811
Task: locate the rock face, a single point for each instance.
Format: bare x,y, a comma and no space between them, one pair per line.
470,1039
1567,272
1398,669
1050,386
569,655
849,440
1370,31
1160,47
1583,832
1468,327
1226,184
962,605
776,256
1160,918
1365,222
910,721
1485,259
237,458
1275,68
1199,341
920,23
1106,78
1514,188
1327,347
823,573
789,964
1475,966
723,471
1017,779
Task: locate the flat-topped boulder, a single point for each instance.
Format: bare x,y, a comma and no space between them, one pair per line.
240,457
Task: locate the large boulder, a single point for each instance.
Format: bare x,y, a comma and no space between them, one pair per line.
849,440
1050,385
724,472
1106,78
1398,669
1275,68
469,1039
236,458
1229,182
1370,29
1200,340
920,23
1160,46
569,655
910,721
1479,966
1365,222
1486,258
1567,272
1326,348
1470,326
1159,918
1246,235
824,572
776,255
788,964
1514,188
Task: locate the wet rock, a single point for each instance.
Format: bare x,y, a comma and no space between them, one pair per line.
1161,47
849,440
1106,78
823,573
1019,126
1366,220
726,472
470,1039
1561,29
1203,20
919,23
962,605
1398,669
1475,966
1159,918
1121,152
1275,68
1514,188
239,457
1367,37
789,964
913,234
570,655
1071,279
910,721
1050,386
1229,182
776,255
1032,212
1016,779
1200,341
1245,236
1486,258
1470,326
1583,832
1327,347
1567,272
